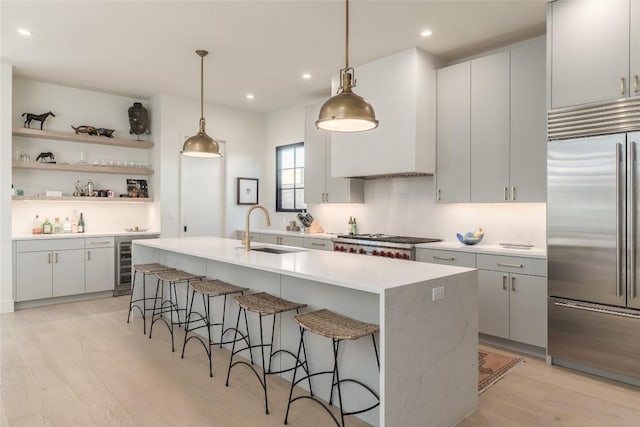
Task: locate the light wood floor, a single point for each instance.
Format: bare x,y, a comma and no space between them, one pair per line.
81,364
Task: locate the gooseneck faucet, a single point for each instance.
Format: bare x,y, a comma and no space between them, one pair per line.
247,234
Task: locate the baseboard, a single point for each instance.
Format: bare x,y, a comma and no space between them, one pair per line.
528,349
61,300
7,306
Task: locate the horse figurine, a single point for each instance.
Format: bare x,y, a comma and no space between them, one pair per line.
46,157
37,117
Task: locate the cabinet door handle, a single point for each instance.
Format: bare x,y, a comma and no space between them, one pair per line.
636,83
49,259
56,257
513,193
513,284
88,255
443,258
438,195
504,283
326,199
100,243
506,264
317,244
623,85
506,193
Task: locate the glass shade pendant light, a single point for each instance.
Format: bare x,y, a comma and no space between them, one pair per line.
346,111
201,144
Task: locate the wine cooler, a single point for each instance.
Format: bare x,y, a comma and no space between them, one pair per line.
123,262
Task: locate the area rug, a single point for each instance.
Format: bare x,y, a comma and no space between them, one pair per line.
492,367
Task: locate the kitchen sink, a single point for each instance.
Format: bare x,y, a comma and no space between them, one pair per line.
277,250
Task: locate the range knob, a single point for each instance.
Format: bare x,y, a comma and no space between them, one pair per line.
362,251
374,252
398,255
383,253
352,250
405,256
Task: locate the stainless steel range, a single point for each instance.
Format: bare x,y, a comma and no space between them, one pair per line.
400,247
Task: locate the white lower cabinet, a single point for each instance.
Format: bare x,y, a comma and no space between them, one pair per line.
513,305
320,244
99,264
438,256
50,268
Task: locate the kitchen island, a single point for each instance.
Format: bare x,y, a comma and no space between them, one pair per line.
428,349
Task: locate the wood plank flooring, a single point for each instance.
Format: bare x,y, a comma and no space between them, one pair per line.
81,364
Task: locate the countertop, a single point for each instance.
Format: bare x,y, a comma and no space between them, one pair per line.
81,235
370,274
480,248
294,233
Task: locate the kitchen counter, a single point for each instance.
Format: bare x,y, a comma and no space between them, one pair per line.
80,235
480,248
428,349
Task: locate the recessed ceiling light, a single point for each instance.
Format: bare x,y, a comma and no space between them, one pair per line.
306,76
24,32
426,33
250,96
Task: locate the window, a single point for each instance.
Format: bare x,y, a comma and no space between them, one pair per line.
290,178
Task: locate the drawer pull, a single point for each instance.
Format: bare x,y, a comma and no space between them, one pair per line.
101,243
507,264
444,258
317,244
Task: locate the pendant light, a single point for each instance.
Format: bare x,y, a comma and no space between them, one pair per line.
201,144
346,111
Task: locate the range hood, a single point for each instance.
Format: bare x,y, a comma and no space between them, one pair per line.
402,89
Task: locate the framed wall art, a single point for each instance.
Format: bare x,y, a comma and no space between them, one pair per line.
247,191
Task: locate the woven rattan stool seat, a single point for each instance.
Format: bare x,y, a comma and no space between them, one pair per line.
216,288
336,326
151,268
176,276
265,303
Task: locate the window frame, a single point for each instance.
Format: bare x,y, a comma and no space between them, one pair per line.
279,149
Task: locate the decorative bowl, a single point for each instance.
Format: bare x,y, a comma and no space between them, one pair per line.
469,238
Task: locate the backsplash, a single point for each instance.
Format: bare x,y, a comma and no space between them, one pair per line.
405,206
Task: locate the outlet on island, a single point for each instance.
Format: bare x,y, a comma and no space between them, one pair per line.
437,293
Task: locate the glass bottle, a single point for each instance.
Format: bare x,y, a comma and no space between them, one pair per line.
355,226
57,226
66,226
81,224
350,225
37,226
46,227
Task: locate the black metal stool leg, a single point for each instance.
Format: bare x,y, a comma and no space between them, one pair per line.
153,313
133,287
144,301
264,367
233,346
186,328
173,349
224,309
207,313
336,347
295,371
246,324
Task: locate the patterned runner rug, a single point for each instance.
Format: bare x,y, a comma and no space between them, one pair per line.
493,366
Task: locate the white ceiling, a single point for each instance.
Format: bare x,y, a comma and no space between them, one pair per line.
146,48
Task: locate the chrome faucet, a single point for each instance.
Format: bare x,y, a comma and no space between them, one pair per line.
247,234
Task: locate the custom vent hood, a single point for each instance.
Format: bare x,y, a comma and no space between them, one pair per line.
402,88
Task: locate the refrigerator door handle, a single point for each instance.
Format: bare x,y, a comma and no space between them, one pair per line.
597,310
618,236
632,219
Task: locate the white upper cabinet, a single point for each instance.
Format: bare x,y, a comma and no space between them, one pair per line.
453,180
490,128
319,186
590,51
401,89
528,141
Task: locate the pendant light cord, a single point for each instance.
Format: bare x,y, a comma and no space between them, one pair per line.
202,86
346,41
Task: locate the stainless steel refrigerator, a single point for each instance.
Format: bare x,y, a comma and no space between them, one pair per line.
593,240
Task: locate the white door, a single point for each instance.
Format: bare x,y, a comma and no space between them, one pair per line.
33,275
493,302
202,195
99,269
68,272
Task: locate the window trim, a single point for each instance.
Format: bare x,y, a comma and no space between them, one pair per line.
278,169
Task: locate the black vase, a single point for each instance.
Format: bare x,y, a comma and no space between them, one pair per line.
138,119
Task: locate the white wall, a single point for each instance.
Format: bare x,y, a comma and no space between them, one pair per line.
405,206
6,265
243,133
283,127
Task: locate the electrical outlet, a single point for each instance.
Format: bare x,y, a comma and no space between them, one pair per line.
437,293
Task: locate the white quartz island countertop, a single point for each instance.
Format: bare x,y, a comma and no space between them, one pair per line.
370,274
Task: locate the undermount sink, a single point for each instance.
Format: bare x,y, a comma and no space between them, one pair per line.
277,250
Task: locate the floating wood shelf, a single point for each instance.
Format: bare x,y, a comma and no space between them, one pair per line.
82,168
72,137
86,199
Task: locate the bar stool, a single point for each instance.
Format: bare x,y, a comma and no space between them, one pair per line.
172,277
337,327
263,304
209,288
145,269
